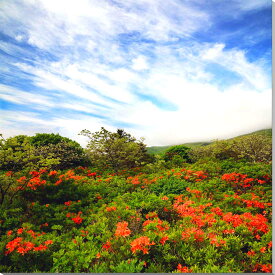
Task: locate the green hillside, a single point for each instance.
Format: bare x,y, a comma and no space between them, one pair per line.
161,149
264,132
157,149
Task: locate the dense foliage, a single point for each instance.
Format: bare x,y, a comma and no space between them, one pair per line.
249,148
179,152
44,139
118,150
42,150
213,215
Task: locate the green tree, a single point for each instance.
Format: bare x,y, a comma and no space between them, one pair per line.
16,153
250,148
69,153
178,153
44,139
253,148
118,150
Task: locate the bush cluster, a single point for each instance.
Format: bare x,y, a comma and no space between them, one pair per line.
169,216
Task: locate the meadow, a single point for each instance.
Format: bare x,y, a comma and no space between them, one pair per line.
168,216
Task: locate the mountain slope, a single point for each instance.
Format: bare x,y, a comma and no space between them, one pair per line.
162,149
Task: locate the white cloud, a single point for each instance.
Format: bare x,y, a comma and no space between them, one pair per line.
202,111
253,4
139,63
49,23
20,97
95,71
234,60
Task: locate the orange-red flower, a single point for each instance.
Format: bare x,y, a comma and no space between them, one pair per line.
164,239
141,244
251,253
98,255
91,174
107,246
77,220
9,173
266,268
122,229
262,250
196,233
48,242
20,231
41,247
183,269
111,208
53,173
165,198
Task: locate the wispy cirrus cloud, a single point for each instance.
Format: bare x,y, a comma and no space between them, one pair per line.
157,69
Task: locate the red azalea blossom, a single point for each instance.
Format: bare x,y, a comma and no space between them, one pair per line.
165,198
183,269
21,250
111,208
8,174
98,255
92,174
40,248
267,268
34,173
77,220
52,173
163,240
122,229
107,246
262,250
196,233
141,244
135,181
251,253
20,231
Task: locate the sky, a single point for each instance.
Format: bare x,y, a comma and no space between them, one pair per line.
170,71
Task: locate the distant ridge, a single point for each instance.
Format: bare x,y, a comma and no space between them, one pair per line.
161,149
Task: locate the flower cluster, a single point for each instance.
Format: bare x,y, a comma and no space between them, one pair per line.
110,209
76,218
141,244
183,269
122,229
196,233
157,223
237,179
22,246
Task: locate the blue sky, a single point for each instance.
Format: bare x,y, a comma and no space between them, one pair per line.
171,71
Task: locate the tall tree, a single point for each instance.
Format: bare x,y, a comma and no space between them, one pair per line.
118,150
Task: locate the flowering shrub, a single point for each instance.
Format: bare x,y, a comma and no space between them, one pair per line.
184,220
141,244
122,229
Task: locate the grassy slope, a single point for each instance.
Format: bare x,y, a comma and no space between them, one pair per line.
161,149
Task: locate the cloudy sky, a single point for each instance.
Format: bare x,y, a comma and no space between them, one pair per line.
171,71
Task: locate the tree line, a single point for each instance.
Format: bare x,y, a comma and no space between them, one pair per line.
114,151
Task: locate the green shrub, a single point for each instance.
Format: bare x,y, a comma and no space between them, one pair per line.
178,150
